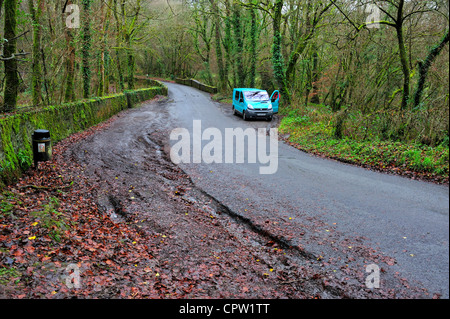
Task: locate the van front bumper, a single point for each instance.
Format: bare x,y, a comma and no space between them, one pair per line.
258,114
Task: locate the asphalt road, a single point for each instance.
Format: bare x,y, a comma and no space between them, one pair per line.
339,213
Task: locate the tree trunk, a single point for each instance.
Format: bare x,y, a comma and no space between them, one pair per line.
119,26
69,94
277,56
238,45
130,65
219,55
129,41
86,51
36,64
315,77
9,49
101,60
424,66
227,42
405,67
253,47
403,55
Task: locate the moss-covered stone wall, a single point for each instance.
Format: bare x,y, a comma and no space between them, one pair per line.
16,154
198,85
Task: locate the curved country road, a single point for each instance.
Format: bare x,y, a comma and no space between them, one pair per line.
404,219
312,213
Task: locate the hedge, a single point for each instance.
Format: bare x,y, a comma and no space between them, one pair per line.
16,153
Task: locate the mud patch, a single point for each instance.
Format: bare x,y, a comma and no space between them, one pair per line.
201,248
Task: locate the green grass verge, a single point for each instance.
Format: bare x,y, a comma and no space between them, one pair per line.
313,131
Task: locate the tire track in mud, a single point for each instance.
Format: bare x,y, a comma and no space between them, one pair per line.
321,281
202,248
236,224
139,185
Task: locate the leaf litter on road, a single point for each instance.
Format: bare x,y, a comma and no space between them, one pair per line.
160,238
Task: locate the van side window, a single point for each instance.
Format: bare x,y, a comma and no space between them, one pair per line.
241,98
236,97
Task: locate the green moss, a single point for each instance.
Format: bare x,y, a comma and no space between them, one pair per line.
9,160
62,121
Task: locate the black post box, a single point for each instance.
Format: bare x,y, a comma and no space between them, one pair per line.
42,146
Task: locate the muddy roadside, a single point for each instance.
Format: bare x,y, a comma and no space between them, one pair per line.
199,249
202,248
137,227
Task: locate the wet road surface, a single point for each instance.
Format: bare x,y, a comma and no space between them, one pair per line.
309,229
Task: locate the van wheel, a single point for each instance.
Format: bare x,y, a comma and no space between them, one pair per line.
234,111
244,115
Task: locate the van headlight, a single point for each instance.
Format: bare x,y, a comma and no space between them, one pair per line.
250,106
270,106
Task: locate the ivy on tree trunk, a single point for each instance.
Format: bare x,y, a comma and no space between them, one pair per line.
69,62
10,61
86,51
277,56
238,45
253,47
424,66
36,64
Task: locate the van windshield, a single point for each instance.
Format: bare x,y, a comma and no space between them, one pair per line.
256,96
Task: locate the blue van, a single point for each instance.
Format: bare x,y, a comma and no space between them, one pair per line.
255,103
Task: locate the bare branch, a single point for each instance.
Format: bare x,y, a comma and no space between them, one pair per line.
14,56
